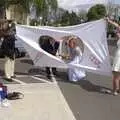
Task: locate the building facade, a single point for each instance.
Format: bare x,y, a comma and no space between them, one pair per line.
16,12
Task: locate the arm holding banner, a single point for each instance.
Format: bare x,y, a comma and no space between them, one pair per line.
116,61
112,22
116,25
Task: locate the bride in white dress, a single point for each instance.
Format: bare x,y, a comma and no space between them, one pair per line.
75,56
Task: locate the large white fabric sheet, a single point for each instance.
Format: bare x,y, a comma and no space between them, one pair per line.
95,57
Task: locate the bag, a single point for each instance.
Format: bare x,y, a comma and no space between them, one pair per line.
14,96
4,91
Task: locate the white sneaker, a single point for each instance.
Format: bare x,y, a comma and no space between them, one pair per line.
5,103
108,91
115,93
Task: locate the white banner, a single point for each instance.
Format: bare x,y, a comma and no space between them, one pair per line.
90,38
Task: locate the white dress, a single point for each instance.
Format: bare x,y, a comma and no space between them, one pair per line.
116,61
75,74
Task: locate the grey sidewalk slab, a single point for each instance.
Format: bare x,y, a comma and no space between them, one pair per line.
41,102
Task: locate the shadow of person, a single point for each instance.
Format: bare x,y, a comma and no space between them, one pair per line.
21,73
2,72
28,61
33,71
90,87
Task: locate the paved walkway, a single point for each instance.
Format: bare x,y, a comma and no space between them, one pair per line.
40,102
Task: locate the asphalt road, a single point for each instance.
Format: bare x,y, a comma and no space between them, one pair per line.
86,98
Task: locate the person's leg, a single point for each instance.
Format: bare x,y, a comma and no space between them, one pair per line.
7,68
116,85
12,67
54,71
113,80
48,72
119,85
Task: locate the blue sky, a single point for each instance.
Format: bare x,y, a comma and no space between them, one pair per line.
77,2
117,1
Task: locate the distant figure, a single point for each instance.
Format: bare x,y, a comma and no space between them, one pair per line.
50,46
75,57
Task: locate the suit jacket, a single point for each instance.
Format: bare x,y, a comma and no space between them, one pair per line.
52,49
8,46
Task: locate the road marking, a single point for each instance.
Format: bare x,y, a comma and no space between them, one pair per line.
54,79
19,81
65,104
36,75
22,76
40,79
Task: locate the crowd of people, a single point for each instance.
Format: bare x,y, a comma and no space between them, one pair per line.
7,35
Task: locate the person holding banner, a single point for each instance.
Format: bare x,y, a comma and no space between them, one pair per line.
116,61
8,47
75,74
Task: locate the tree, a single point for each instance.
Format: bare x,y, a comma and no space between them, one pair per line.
73,18
82,14
65,19
96,12
2,8
4,4
24,3
43,7
69,19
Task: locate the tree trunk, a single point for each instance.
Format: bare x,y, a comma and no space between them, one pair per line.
2,13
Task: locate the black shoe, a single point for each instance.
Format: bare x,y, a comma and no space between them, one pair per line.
49,76
13,76
8,79
55,73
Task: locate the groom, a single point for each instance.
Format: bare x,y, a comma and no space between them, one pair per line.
51,46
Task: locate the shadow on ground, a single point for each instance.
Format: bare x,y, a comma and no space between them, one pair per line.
62,76
84,84
90,87
2,72
28,61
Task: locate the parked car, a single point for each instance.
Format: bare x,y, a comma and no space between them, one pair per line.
19,50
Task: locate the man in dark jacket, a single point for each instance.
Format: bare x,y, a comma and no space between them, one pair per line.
8,47
51,46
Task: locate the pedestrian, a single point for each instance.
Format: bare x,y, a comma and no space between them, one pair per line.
8,47
74,74
51,46
116,61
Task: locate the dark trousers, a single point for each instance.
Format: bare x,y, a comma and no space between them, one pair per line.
49,72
